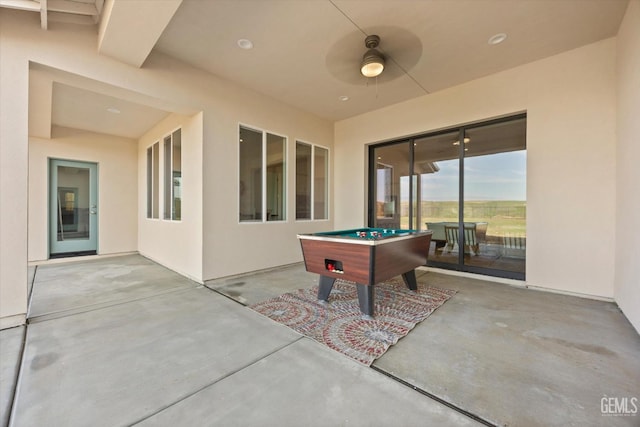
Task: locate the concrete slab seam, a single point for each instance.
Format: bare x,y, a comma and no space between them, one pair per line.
101,306
33,281
18,379
436,398
225,295
229,374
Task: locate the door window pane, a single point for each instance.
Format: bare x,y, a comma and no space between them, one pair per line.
303,181
73,204
392,170
276,183
250,184
495,196
321,183
437,169
73,207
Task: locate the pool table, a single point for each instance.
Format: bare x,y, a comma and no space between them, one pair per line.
366,256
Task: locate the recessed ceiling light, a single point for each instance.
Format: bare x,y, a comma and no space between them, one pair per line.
245,44
497,38
113,110
343,98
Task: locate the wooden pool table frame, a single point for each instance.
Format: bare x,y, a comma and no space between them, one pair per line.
364,261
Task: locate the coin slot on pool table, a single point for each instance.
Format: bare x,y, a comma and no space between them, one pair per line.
333,266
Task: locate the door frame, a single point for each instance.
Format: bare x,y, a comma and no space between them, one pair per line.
410,140
77,247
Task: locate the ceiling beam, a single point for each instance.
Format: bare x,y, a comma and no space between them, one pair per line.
73,7
69,7
129,29
30,5
43,14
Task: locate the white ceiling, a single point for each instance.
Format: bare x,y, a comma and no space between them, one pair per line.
83,109
307,53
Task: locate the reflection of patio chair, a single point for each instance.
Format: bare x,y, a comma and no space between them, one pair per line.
470,240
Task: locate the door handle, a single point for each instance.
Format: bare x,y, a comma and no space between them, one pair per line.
93,210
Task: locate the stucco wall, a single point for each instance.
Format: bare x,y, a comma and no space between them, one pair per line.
627,277
117,193
228,247
571,104
176,244
14,86
571,137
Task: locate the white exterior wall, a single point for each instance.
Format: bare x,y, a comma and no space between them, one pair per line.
176,244
117,193
231,247
227,247
627,277
571,101
14,106
571,137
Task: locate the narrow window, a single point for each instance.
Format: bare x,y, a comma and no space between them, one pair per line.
312,182
172,176
276,183
153,183
176,167
150,182
167,177
320,183
250,184
303,181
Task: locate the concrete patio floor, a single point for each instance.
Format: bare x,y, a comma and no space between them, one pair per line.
123,341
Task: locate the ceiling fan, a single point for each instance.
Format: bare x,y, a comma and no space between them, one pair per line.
390,53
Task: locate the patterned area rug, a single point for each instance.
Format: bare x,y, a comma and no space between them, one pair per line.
339,324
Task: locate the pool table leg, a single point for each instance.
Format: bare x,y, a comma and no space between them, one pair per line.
366,297
410,280
325,284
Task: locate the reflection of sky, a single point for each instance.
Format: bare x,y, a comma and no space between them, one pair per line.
493,177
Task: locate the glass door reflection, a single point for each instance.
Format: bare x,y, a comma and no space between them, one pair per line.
495,206
73,208
437,169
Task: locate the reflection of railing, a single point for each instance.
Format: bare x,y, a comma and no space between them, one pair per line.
511,241
473,209
514,246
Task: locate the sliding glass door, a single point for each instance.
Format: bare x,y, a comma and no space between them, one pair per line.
467,185
495,195
390,199
437,169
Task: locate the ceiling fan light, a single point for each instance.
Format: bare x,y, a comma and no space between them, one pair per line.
372,63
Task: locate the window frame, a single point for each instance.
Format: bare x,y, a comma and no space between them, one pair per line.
153,180
312,180
167,179
157,178
263,174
